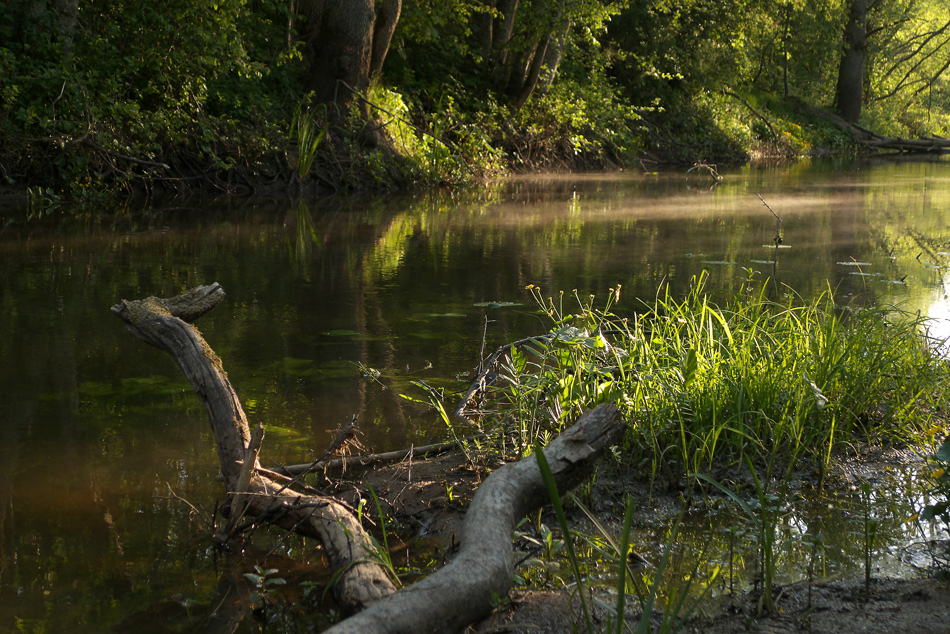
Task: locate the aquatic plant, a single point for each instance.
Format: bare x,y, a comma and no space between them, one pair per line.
306,132
677,592
939,508
708,386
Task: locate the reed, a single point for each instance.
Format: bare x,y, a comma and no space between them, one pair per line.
709,385
307,133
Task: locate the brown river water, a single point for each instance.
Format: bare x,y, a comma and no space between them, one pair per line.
96,428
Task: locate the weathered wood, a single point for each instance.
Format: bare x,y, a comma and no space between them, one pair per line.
463,592
165,324
239,495
447,601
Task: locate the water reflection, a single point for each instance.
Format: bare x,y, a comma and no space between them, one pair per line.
95,426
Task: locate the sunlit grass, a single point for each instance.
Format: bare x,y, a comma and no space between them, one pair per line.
706,386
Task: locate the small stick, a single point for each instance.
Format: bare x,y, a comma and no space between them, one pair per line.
239,503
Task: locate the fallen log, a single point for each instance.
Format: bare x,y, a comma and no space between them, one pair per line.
463,592
873,140
165,324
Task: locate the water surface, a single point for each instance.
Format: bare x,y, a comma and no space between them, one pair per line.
96,428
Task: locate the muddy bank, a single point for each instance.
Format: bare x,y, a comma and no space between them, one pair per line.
425,501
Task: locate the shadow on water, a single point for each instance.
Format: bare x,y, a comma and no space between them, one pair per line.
335,306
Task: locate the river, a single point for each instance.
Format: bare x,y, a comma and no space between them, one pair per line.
335,307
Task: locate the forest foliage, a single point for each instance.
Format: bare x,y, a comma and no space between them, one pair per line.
107,96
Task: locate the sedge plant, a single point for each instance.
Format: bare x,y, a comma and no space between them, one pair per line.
709,384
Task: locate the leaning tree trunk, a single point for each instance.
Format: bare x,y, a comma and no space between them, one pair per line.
850,89
165,324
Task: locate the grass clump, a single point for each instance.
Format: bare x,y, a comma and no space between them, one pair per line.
709,387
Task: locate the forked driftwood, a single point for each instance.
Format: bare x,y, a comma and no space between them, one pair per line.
459,594
165,324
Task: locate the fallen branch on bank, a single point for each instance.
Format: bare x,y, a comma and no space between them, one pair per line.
459,594
372,459
464,591
873,140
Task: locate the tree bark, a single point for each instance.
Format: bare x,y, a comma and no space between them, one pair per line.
338,47
522,92
387,15
850,89
463,592
501,42
165,324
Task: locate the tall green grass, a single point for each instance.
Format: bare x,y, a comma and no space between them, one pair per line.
708,386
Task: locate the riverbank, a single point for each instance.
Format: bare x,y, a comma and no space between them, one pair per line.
325,155
428,497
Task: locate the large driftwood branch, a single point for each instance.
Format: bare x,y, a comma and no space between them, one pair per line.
459,594
463,592
165,324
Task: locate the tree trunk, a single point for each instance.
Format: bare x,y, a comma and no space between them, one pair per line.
386,18
338,47
553,57
850,90
522,92
486,27
501,42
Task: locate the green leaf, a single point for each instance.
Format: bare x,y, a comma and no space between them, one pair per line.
690,366
944,452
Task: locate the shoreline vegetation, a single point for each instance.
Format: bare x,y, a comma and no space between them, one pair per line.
757,421
98,102
747,442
